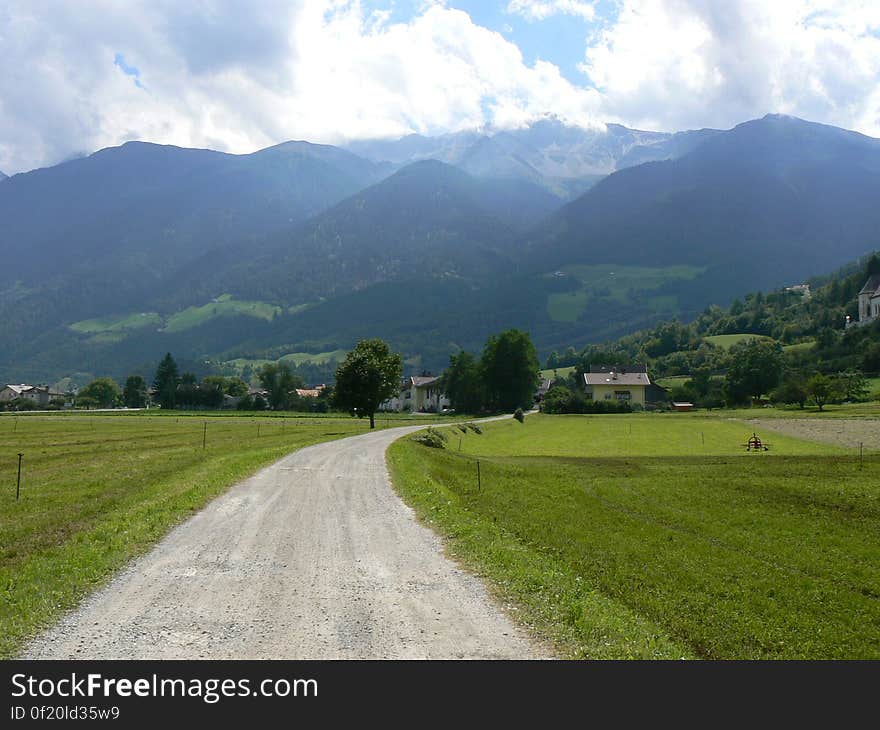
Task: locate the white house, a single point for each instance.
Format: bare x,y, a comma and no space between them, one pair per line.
418,394
869,299
623,384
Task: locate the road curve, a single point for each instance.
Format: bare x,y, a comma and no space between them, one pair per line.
314,557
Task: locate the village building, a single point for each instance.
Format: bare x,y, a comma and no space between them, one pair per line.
40,395
310,392
418,394
620,383
869,300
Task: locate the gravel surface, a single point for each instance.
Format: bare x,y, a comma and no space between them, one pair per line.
314,557
846,432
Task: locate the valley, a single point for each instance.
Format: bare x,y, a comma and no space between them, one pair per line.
434,242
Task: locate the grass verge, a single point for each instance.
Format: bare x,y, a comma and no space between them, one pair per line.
668,553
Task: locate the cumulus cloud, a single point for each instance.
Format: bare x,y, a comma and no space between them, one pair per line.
673,64
239,76
543,9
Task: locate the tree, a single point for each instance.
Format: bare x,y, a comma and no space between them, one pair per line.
134,394
821,389
755,368
166,381
851,385
369,375
510,370
278,382
790,390
462,384
103,391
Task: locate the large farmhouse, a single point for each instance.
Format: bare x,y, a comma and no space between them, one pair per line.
628,383
40,395
418,394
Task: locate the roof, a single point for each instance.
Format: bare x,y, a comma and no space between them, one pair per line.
871,285
20,388
615,378
619,368
422,381
308,392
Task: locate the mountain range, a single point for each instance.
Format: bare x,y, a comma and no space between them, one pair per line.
298,250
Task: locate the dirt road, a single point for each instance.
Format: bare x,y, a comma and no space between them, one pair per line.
846,432
314,557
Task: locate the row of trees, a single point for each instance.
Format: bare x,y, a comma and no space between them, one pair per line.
757,369
504,378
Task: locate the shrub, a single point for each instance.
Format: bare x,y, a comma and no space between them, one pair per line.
519,415
475,427
432,438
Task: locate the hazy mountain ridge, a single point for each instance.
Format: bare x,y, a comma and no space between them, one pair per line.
547,152
431,257
771,200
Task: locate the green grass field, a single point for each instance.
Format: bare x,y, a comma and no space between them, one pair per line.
222,306
617,283
116,328
557,372
98,490
292,358
725,342
659,536
120,324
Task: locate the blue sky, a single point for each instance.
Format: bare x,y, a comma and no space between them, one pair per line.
559,38
239,75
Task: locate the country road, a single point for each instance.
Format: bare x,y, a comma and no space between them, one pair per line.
314,557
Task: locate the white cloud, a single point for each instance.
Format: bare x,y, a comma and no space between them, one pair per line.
240,76
671,64
237,76
543,9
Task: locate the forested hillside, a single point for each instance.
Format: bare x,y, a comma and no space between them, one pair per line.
807,330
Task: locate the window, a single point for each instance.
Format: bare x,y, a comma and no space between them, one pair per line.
622,395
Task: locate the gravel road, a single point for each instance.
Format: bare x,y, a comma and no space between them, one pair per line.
314,557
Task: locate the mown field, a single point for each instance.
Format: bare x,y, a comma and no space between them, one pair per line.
659,536
617,283
98,490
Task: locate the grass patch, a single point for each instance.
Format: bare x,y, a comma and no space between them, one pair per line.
117,324
222,306
659,542
725,342
100,490
617,284
800,346
292,358
557,372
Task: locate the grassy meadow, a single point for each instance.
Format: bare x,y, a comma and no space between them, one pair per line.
100,489
659,536
618,283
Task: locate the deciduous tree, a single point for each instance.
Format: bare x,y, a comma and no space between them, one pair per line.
103,391
369,375
134,394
